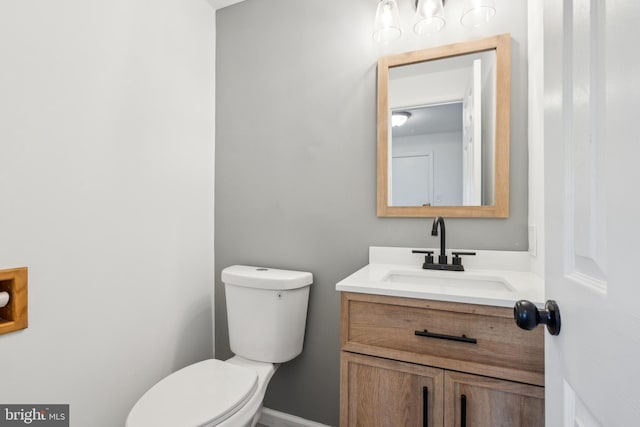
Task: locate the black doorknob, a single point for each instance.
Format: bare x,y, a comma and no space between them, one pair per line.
528,316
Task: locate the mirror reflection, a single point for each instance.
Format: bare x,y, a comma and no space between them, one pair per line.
443,130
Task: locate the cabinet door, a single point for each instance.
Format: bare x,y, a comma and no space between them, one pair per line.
386,393
475,401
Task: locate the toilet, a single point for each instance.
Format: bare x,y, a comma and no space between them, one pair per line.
266,312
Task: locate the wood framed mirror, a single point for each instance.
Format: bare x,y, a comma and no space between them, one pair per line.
450,157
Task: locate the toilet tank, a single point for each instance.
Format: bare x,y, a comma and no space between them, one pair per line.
266,311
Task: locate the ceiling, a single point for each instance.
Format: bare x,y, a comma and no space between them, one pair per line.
219,4
431,119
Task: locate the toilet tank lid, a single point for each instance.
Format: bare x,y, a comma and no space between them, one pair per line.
265,278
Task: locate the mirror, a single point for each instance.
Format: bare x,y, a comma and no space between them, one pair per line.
443,131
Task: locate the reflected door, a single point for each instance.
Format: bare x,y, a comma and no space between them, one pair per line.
412,183
472,138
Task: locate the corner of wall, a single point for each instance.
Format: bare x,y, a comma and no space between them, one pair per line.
213,199
536,136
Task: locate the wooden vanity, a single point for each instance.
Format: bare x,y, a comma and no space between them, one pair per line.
471,367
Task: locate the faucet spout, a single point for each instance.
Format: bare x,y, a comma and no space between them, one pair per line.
439,221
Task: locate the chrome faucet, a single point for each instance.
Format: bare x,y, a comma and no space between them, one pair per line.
439,221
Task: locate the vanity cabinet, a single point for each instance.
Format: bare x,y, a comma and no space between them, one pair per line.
415,362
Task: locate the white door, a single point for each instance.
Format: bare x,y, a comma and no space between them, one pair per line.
472,138
412,183
592,211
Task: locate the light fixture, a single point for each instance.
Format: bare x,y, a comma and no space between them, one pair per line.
477,12
398,118
387,23
430,17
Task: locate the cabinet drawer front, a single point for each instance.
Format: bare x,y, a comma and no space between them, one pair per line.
386,326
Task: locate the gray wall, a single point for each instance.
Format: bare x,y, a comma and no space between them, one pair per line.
296,165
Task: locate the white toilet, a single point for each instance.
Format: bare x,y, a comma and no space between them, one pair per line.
267,312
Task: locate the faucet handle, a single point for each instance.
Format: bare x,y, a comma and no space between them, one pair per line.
456,260
428,258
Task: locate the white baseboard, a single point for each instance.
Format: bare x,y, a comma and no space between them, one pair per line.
273,418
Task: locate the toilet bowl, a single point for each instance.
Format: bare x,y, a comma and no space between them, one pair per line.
207,393
267,317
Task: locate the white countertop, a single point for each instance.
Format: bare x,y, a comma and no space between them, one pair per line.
510,267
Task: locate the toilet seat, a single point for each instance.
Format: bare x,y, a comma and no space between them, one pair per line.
203,394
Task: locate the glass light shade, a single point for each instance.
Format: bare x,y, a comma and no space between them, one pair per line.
477,12
399,118
430,17
387,23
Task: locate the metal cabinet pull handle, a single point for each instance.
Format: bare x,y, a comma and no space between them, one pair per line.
463,338
425,406
463,410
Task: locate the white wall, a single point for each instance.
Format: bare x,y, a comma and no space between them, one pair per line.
427,89
488,130
106,194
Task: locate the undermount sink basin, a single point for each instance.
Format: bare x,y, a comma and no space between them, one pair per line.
448,281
